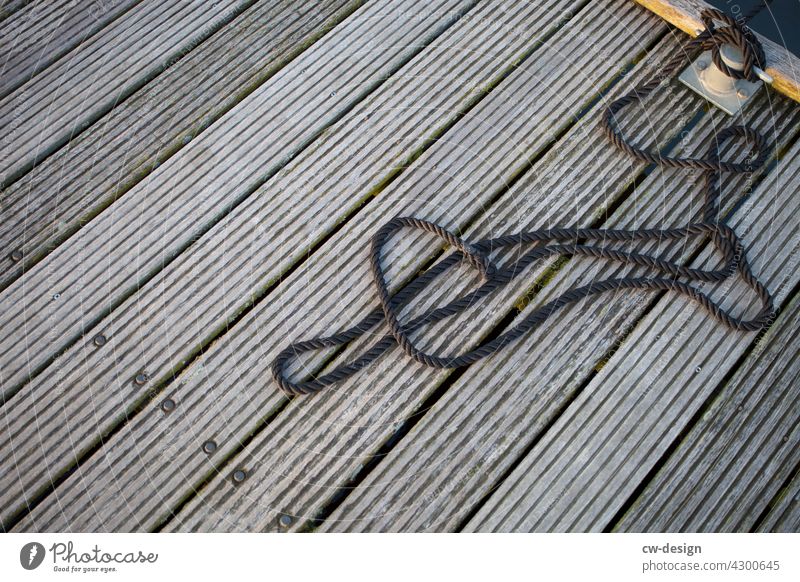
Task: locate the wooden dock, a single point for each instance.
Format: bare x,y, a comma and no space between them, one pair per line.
188,187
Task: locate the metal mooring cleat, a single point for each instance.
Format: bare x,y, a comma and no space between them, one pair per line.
727,93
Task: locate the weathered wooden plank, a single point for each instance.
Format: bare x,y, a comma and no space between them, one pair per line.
74,184
314,446
433,477
9,7
78,283
732,463
598,451
331,163
785,515
229,415
782,65
43,32
44,113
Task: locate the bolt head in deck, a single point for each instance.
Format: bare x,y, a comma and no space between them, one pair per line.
209,447
238,476
16,256
99,340
168,405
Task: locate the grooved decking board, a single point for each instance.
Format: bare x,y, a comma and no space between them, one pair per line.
785,515
302,458
40,34
85,277
319,186
63,192
460,449
782,65
732,463
9,7
215,399
598,451
43,114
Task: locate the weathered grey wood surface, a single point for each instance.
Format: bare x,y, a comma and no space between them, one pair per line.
624,420
533,381
241,221
34,38
139,234
725,472
61,101
341,430
576,182
195,390
9,7
785,515
341,80
67,189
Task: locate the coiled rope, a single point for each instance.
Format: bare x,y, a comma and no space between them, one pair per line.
476,254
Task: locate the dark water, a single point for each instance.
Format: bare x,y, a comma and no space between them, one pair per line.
779,20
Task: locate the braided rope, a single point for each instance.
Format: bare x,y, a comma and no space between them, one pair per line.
725,240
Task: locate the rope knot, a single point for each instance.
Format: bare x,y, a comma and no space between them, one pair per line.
478,260
736,34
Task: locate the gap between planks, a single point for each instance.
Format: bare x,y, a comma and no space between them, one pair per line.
783,515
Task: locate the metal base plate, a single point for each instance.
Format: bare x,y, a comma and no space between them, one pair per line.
731,102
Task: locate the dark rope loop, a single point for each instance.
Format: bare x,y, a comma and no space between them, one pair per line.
566,241
734,34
